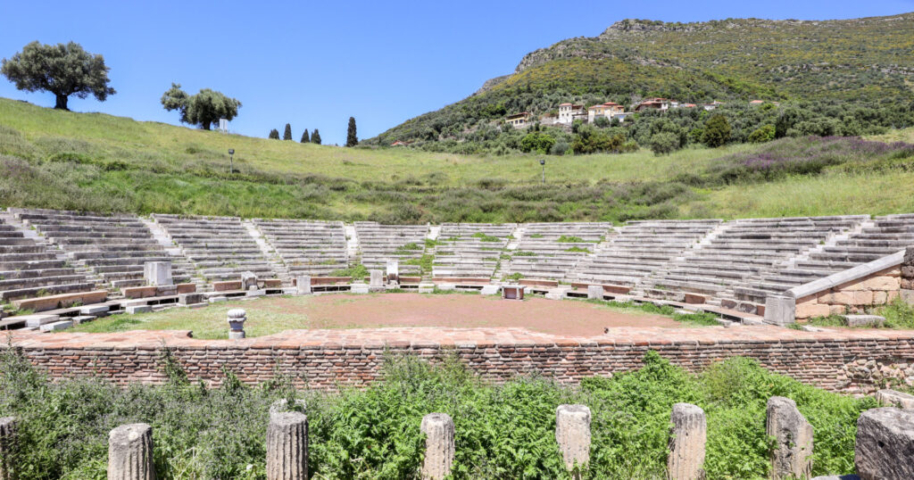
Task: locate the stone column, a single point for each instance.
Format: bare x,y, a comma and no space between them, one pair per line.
7,437
687,443
572,433
236,319
303,284
287,446
130,453
439,445
792,455
158,274
885,444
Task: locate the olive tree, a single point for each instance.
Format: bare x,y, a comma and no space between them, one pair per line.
203,109
62,69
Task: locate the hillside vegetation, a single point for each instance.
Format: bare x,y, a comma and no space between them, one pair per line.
834,73
96,162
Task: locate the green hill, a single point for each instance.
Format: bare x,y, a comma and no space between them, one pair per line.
861,69
95,162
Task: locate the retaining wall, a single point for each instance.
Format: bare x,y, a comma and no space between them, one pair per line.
851,361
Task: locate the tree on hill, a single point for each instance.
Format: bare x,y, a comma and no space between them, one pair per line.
62,69
717,131
203,109
352,139
305,138
287,134
274,134
316,137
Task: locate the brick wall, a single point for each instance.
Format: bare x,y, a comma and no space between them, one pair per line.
877,289
851,361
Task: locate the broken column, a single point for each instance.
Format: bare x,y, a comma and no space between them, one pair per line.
158,274
130,453
439,445
885,444
572,433
236,319
303,284
287,446
792,454
7,437
687,443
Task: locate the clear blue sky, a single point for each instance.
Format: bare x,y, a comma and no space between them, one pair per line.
313,64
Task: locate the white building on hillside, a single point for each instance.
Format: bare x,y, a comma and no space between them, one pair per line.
569,112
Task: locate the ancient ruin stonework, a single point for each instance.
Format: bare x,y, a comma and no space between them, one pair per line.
885,444
688,437
572,433
7,437
287,446
130,453
439,446
792,455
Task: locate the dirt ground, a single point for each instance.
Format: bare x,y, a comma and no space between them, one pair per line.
463,311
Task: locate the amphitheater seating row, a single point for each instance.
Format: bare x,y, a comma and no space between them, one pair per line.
470,250
31,267
307,248
113,248
639,249
380,243
220,248
551,251
743,250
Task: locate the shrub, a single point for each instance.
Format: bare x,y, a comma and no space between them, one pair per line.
716,132
762,135
664,143
537,142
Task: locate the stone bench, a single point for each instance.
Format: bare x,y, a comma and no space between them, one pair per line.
52,302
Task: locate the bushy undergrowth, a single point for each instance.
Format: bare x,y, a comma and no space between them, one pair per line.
503,431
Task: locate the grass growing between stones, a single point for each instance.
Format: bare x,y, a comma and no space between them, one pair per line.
898,316
503,431
697,319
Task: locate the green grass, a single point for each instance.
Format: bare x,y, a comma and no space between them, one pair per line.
898,316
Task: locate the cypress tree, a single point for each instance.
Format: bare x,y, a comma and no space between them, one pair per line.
274,134
316,137
305,138
287,134
352,139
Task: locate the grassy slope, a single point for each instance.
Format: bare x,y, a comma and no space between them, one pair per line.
124,165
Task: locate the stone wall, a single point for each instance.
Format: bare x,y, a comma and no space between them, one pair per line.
848,361
855,296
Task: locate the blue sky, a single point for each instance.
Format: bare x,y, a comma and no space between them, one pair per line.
314,64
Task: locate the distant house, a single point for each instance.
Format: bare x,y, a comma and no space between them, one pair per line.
399,143
756,103
655,104
568,113
518,120
549,119
608,110
712,105
689,105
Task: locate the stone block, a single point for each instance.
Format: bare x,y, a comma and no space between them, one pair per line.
572,433
695,299
811,310
41,304
688,437
81,319
303,284
885,444
138,309
157,274
447,287
438,429
140,292
376,279
557,293
217,299
36,321
248,281
393,271
227,286
130,455
287,446
94,310
426,287
595,292
185,288
57,326
880,298
359,288
254,293
512,292
892,398
780,309
792,454
190,298
490,290
882,282
864,320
